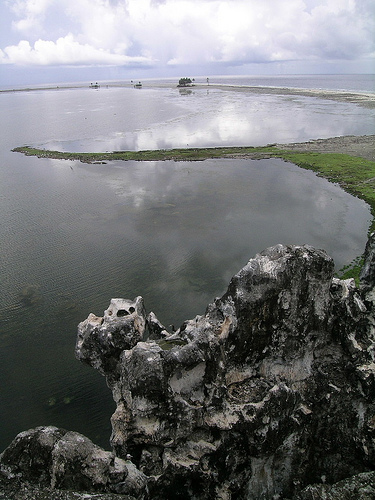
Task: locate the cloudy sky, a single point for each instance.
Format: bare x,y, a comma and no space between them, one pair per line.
43,41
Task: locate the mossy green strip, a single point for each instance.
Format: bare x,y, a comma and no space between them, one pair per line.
182,154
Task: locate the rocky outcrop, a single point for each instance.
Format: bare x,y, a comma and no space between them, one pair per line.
359,487
268,395
56,459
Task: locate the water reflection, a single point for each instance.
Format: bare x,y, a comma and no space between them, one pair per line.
211,118
179,208
172,232
72,238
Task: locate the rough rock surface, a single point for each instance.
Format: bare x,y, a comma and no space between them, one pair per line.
268,395
359,487
56,459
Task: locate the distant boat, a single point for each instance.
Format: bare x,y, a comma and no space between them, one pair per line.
95,85
138,85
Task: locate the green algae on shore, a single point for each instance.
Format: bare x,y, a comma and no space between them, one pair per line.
178,154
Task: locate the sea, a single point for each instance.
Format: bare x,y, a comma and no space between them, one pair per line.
74,235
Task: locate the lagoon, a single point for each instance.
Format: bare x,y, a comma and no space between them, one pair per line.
174,233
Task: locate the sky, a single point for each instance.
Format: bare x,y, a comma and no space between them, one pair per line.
47,41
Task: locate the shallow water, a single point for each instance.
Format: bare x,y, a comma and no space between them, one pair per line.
110,119
74,235
353,83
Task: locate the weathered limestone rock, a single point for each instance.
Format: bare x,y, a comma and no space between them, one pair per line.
268,395
56,459
359,487
101,340
248,400
368,270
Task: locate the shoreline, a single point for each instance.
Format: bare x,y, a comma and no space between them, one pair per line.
362,146
365,98
347,161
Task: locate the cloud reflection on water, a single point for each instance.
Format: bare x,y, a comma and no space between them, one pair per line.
172,232
230,209
224,118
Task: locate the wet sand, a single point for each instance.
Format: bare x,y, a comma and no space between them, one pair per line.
362,146
366,99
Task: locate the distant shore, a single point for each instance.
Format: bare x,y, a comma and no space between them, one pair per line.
366,99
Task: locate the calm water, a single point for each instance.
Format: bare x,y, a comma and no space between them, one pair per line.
76,235
356,83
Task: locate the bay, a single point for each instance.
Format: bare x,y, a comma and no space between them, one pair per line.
74,235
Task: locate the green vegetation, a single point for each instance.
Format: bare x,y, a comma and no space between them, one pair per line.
355,175
183,154
185,82
167,345
352,270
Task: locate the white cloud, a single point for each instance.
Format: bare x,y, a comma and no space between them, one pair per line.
30,13
190,31
65,51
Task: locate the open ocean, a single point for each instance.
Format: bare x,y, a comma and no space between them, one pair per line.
74,235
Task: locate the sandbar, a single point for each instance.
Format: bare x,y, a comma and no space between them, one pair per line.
366,99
